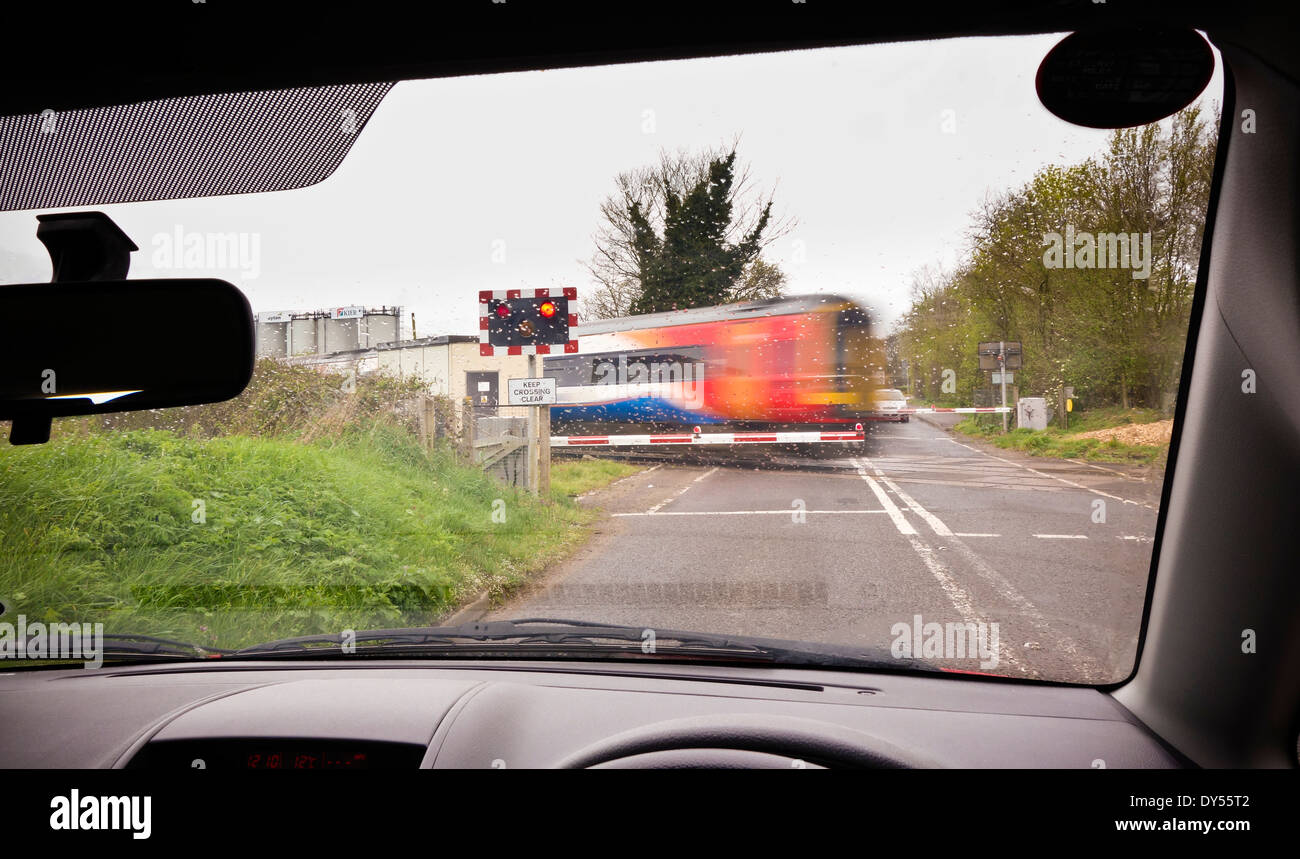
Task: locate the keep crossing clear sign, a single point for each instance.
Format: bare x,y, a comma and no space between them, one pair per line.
531,392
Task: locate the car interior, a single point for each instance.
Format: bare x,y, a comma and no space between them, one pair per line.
1216,678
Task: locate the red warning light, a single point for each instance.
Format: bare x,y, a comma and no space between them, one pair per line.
857,427
547,309
503,310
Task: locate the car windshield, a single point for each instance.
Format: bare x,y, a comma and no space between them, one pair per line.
612,345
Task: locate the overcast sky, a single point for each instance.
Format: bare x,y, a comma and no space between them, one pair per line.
494,182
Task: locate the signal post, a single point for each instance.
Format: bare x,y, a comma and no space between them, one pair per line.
531,322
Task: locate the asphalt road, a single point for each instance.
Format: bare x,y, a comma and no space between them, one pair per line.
843,550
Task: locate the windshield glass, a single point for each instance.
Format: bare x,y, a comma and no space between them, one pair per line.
746,251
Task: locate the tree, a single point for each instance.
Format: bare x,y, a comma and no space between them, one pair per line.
685,232
761,280
1116,337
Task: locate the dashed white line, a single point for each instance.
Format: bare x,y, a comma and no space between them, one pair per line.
1061,536
682,491
961,534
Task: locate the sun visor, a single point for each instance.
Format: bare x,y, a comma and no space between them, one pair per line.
176,148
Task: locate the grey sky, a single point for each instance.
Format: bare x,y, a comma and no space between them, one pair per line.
452,175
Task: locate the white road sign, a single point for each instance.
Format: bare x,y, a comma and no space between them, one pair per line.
531,392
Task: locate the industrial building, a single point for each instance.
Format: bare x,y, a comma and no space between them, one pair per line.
450,366
286,334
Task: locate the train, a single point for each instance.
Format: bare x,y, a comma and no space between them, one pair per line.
792,362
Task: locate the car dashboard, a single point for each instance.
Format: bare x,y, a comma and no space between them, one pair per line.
527,715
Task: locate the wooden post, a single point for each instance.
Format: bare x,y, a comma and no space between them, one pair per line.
467,430
534,422
544,451
422,428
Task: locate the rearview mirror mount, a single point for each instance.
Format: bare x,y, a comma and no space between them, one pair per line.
103,344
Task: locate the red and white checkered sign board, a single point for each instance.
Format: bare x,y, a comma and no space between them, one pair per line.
486,295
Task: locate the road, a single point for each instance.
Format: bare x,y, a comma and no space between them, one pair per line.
920,522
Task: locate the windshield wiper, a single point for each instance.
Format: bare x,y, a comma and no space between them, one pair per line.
552,637
131,647
127,645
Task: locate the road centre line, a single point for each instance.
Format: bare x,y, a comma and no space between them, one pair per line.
682,491
935,523
957,595
1061,536
900,522
989,574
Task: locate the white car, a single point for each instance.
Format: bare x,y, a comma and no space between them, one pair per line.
890,403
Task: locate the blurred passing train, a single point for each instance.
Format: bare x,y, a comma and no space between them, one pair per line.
806,360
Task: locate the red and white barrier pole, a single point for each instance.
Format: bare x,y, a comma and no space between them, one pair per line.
696,437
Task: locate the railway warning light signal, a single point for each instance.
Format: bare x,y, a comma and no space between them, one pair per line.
526,321
857,427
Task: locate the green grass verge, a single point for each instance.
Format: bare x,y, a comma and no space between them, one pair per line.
1063,444
574,477
233,540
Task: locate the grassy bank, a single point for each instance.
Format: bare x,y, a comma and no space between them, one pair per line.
1068,443
235,539
575,477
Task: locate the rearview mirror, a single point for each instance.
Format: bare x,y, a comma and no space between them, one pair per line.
87,348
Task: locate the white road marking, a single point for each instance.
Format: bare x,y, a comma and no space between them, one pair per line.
955,593
1140,538
900,522
622,479
1053,476
935,523
962,600
1061,536
1009,592
682,491
1111,470
745,512
960,534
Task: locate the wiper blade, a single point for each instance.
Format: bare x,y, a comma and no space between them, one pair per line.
130,644
529,635
133,647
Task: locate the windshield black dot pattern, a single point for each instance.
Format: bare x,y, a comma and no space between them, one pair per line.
194,146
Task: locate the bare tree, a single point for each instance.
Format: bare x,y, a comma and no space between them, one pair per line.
614,266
